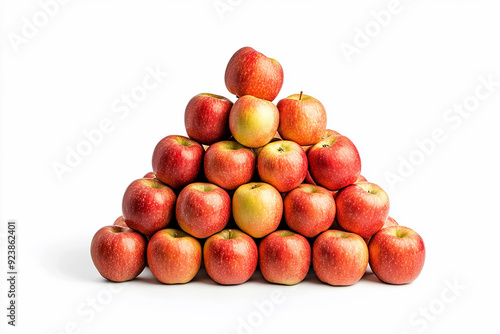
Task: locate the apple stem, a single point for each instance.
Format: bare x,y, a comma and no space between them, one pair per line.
300,96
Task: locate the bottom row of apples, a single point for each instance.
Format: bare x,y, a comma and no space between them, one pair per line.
396,255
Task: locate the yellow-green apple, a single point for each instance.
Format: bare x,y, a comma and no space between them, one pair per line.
229,164
148,205
249,72
120,222
339,258
177,160
257,208
309,210
302,119
118,253
334,162
203,209
173,256
283,164
207,118
253,121
230,257
149,175
284,257
397,254
362,208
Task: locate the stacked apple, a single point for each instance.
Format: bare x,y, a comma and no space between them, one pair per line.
253,173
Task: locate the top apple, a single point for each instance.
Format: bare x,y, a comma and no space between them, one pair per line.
251,73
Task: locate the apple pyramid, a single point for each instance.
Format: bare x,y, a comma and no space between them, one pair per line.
254,173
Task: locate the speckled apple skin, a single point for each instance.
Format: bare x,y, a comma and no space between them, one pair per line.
397,260
309,210
339,258
118,253
230,261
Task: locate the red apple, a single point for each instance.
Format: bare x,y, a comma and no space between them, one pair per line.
283,164
275,138
207,118
173,256
257,208
177,160
330,132
361,178
251,73
149,175
309,210
284,257
302,119
120,222
362,208
388,222
397,254
118,253
148,205
229,164
253,121
339,258
203,209
334,162
230,257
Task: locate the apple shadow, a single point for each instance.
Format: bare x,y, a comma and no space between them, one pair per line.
370,277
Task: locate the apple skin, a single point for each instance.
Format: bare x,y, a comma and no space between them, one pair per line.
120,221
334,162
388,222
149,175
118,253
283,164
203,209
257,208
253,121
229,164
309,210
302,119
177,160
339,258
361,178
362,208
173,256
249,72
148,205
284,257
230,257
397,254
207,118
276,137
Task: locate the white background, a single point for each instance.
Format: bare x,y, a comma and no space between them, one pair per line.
394,91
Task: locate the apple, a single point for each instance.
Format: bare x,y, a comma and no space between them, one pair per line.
276,137
334,162
362,208
229,164
149,175
302,119
329,132
309,210
339,258
249,72
203,209
148,205
177,160
120,222
173,256
284,257
253,121
118,253
388,222
230,257
361,178
207,118
397,254
257,208
283,164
